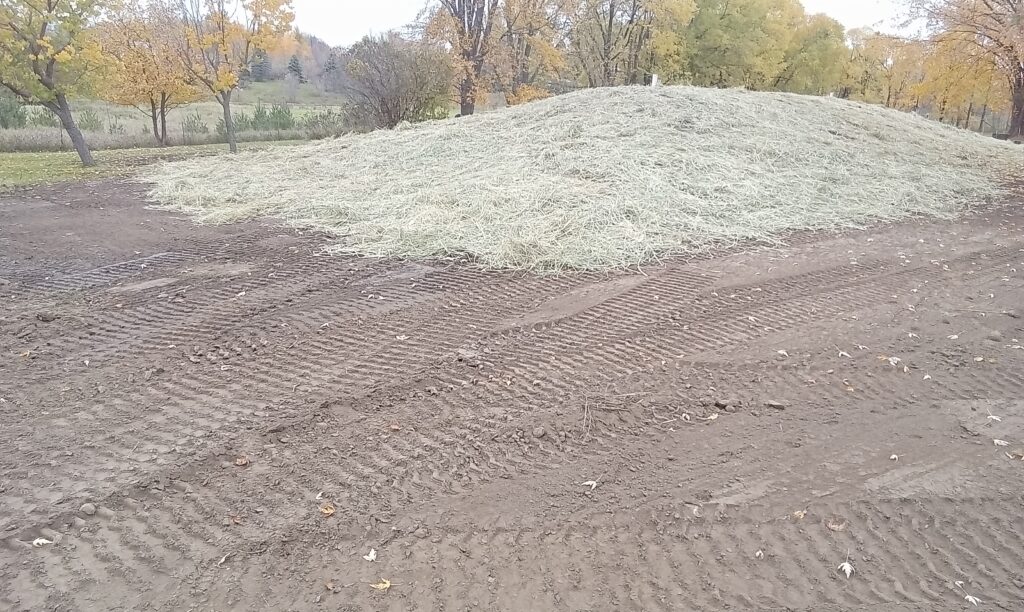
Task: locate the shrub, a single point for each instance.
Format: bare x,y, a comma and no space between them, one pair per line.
193,124
12,114
115,127
325,123
42,117
89,121
394,80
281,118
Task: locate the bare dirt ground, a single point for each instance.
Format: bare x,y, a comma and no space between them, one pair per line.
183,407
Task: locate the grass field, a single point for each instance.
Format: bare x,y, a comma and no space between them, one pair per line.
121,127
26,169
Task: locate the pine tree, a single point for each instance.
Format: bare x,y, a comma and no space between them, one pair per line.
295,67
260,70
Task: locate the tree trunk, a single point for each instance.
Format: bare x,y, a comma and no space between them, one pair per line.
981,121
163,119
467,105
1017,114
154,114
229,125
63,111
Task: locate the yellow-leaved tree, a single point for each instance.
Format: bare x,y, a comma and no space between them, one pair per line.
467,28
48,53
220,39
533,34
143,39
995,28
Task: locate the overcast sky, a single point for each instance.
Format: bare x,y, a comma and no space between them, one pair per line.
342,22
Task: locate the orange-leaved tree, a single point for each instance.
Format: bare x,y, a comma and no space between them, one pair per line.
48,52
220,39
148,74
996,29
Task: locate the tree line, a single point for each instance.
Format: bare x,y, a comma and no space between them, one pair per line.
160,54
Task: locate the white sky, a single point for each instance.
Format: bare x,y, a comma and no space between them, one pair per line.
342,22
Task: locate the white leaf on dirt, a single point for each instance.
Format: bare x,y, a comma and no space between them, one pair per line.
1000,442
686,417
861,347
972,599
979,359
927,377
911,308
844,354
224,558
894,361
372,556
783,353
319,495
589,483
992,417
327,324
954,337
400,338
912,335
710,418
38,542
382,586
799,514
894,457
847,568
759,554
85,361
240,294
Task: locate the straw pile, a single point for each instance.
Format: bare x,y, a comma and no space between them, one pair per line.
603,178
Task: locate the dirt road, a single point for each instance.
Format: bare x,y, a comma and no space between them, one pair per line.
222,418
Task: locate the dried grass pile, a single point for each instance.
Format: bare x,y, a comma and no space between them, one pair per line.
603,178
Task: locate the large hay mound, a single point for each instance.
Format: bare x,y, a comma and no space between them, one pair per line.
603,178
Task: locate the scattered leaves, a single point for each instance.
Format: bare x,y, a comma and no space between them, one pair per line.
382,586
372,556
327,509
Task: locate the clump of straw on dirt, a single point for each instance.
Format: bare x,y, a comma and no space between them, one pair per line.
603,178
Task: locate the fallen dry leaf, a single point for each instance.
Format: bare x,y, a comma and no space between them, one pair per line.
589,483
799,514
382,586
1000,442
372,556
242,461
836,523
38,542
327,509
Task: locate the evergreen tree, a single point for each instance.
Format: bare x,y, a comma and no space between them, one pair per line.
260,70
295,68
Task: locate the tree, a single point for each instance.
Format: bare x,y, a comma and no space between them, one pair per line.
994,28
466,26
393,80
295,69
147,74
736,43
622,41
260,70
533,34
220,40
47,53
815,59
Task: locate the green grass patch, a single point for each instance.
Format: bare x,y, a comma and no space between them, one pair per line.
27,169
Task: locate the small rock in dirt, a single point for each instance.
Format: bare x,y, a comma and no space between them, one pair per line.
46,317
433,390
775,405
538,432
725,403
421,533
994,336
88,509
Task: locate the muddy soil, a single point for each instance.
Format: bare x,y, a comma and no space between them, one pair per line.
223,418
